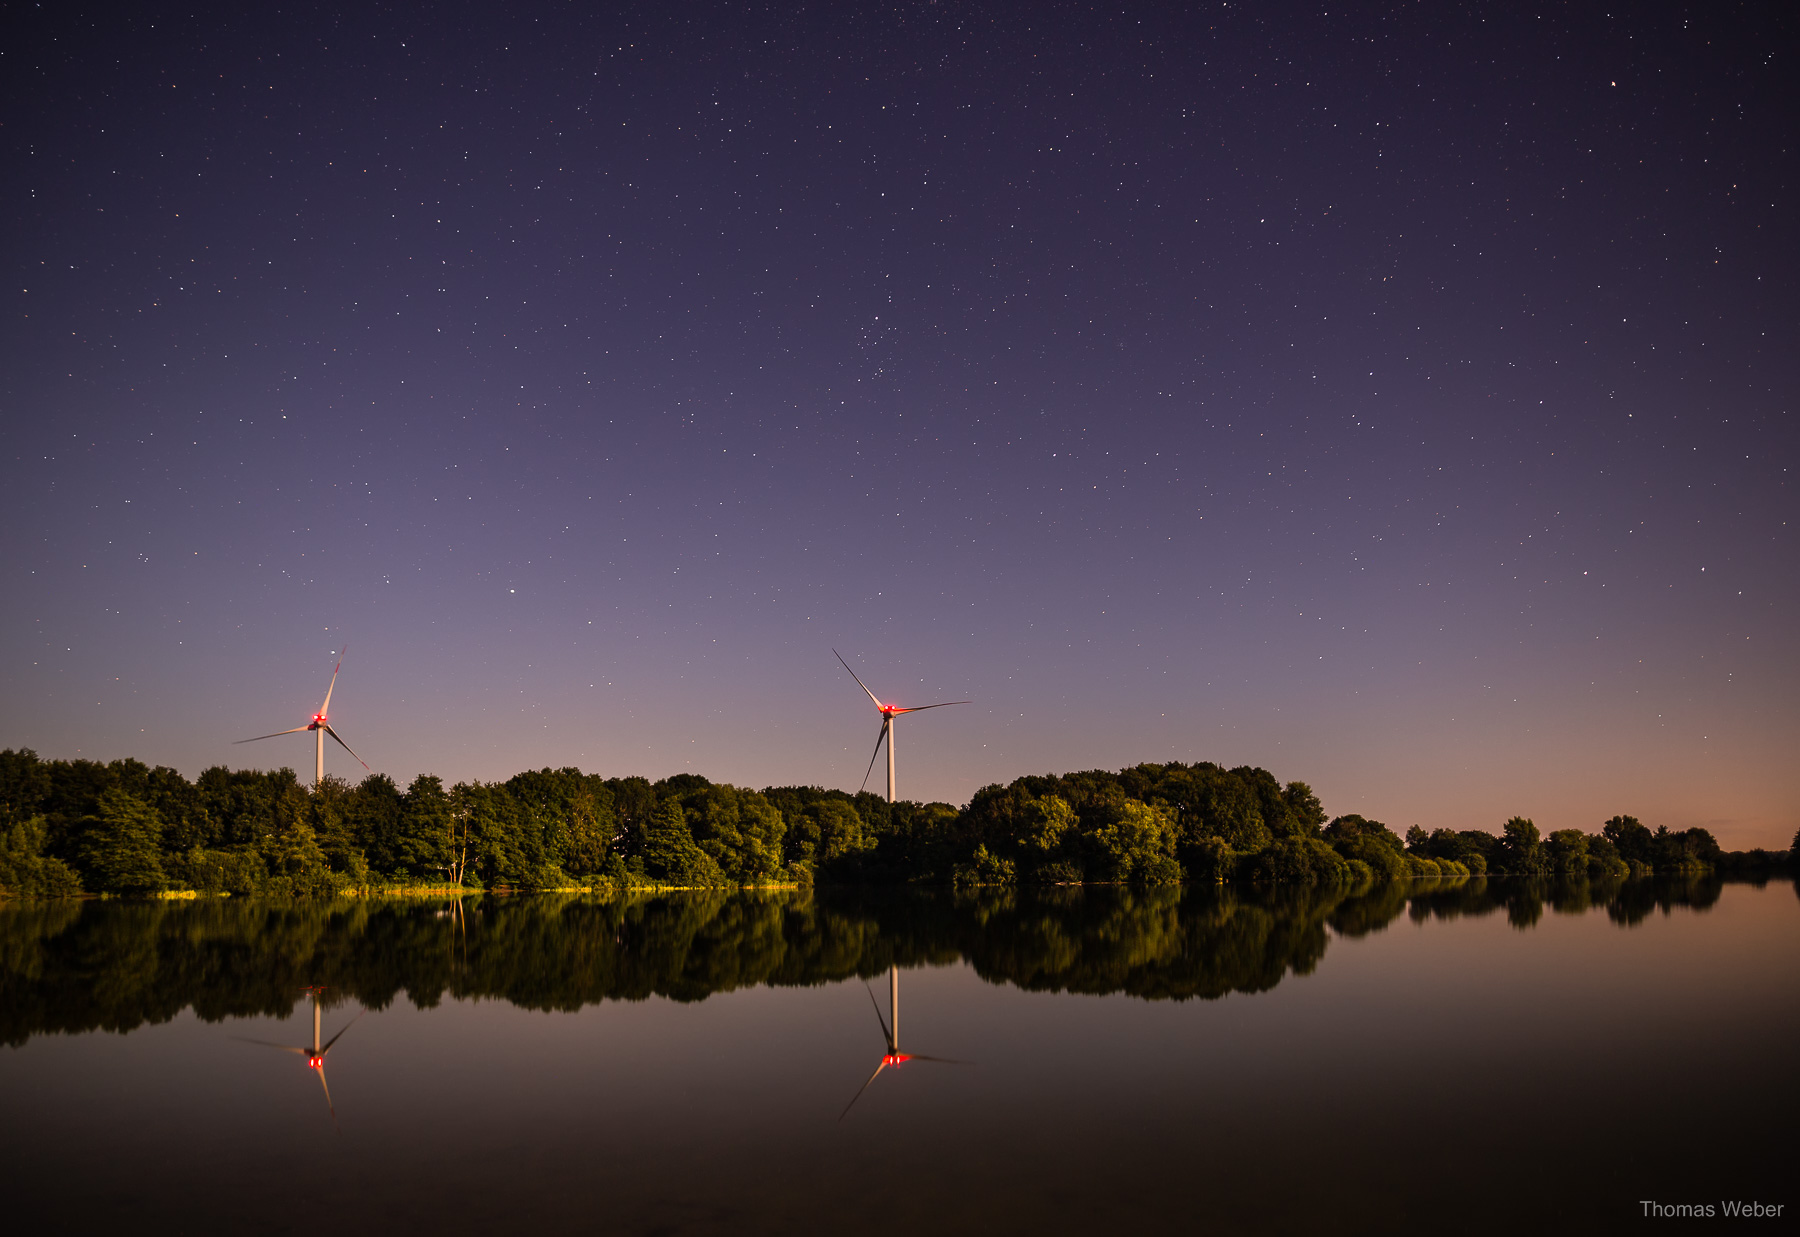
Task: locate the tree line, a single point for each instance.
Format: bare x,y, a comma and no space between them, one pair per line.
74,826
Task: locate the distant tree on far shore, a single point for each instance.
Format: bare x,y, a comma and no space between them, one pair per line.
1521,850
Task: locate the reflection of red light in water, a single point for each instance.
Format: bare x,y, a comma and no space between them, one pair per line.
315,1062
895,1058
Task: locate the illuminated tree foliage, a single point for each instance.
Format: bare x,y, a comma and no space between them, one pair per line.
128,829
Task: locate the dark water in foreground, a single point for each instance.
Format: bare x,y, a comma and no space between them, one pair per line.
1488,1056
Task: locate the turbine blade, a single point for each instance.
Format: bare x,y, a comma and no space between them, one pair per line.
326,707
335,1038
347,748
887,1036
861,1089
859,682
276,735
913,1056
920,708
878,738
328,1104
266,1043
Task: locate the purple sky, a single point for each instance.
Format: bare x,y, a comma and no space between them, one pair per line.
1397,400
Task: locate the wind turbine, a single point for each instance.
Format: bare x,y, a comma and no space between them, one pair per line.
893,1056
888,713
320,728
315,1053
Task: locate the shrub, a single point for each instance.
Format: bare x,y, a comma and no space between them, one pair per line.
1299,859
983,868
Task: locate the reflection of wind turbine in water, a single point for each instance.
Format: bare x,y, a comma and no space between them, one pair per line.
890,1032
888,713
314,1054
320,727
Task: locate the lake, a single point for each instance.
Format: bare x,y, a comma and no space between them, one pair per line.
1454,1056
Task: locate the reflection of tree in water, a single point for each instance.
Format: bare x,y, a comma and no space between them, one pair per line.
1625,902
1161,942
115,965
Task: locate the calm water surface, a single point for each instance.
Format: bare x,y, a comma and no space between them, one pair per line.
1470,1057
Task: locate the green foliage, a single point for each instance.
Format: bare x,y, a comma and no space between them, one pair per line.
1211,803
1630,838
295,864
918,843
422,839
742,831
1521,851
1300,860
25,786
25,871
826,832
372,817
1371,843
984,869
125,827
591,828
670,854
1567,852
1037,835
1211,861
1691,850
1049,826
497,851
122,846
565,820
1305,815
1134,842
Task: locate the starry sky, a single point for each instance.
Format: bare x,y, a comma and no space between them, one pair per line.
1395,397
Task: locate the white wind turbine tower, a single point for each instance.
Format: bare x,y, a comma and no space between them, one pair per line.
320,727
888,713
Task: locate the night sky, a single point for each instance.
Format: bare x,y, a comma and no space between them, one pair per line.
1398,398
